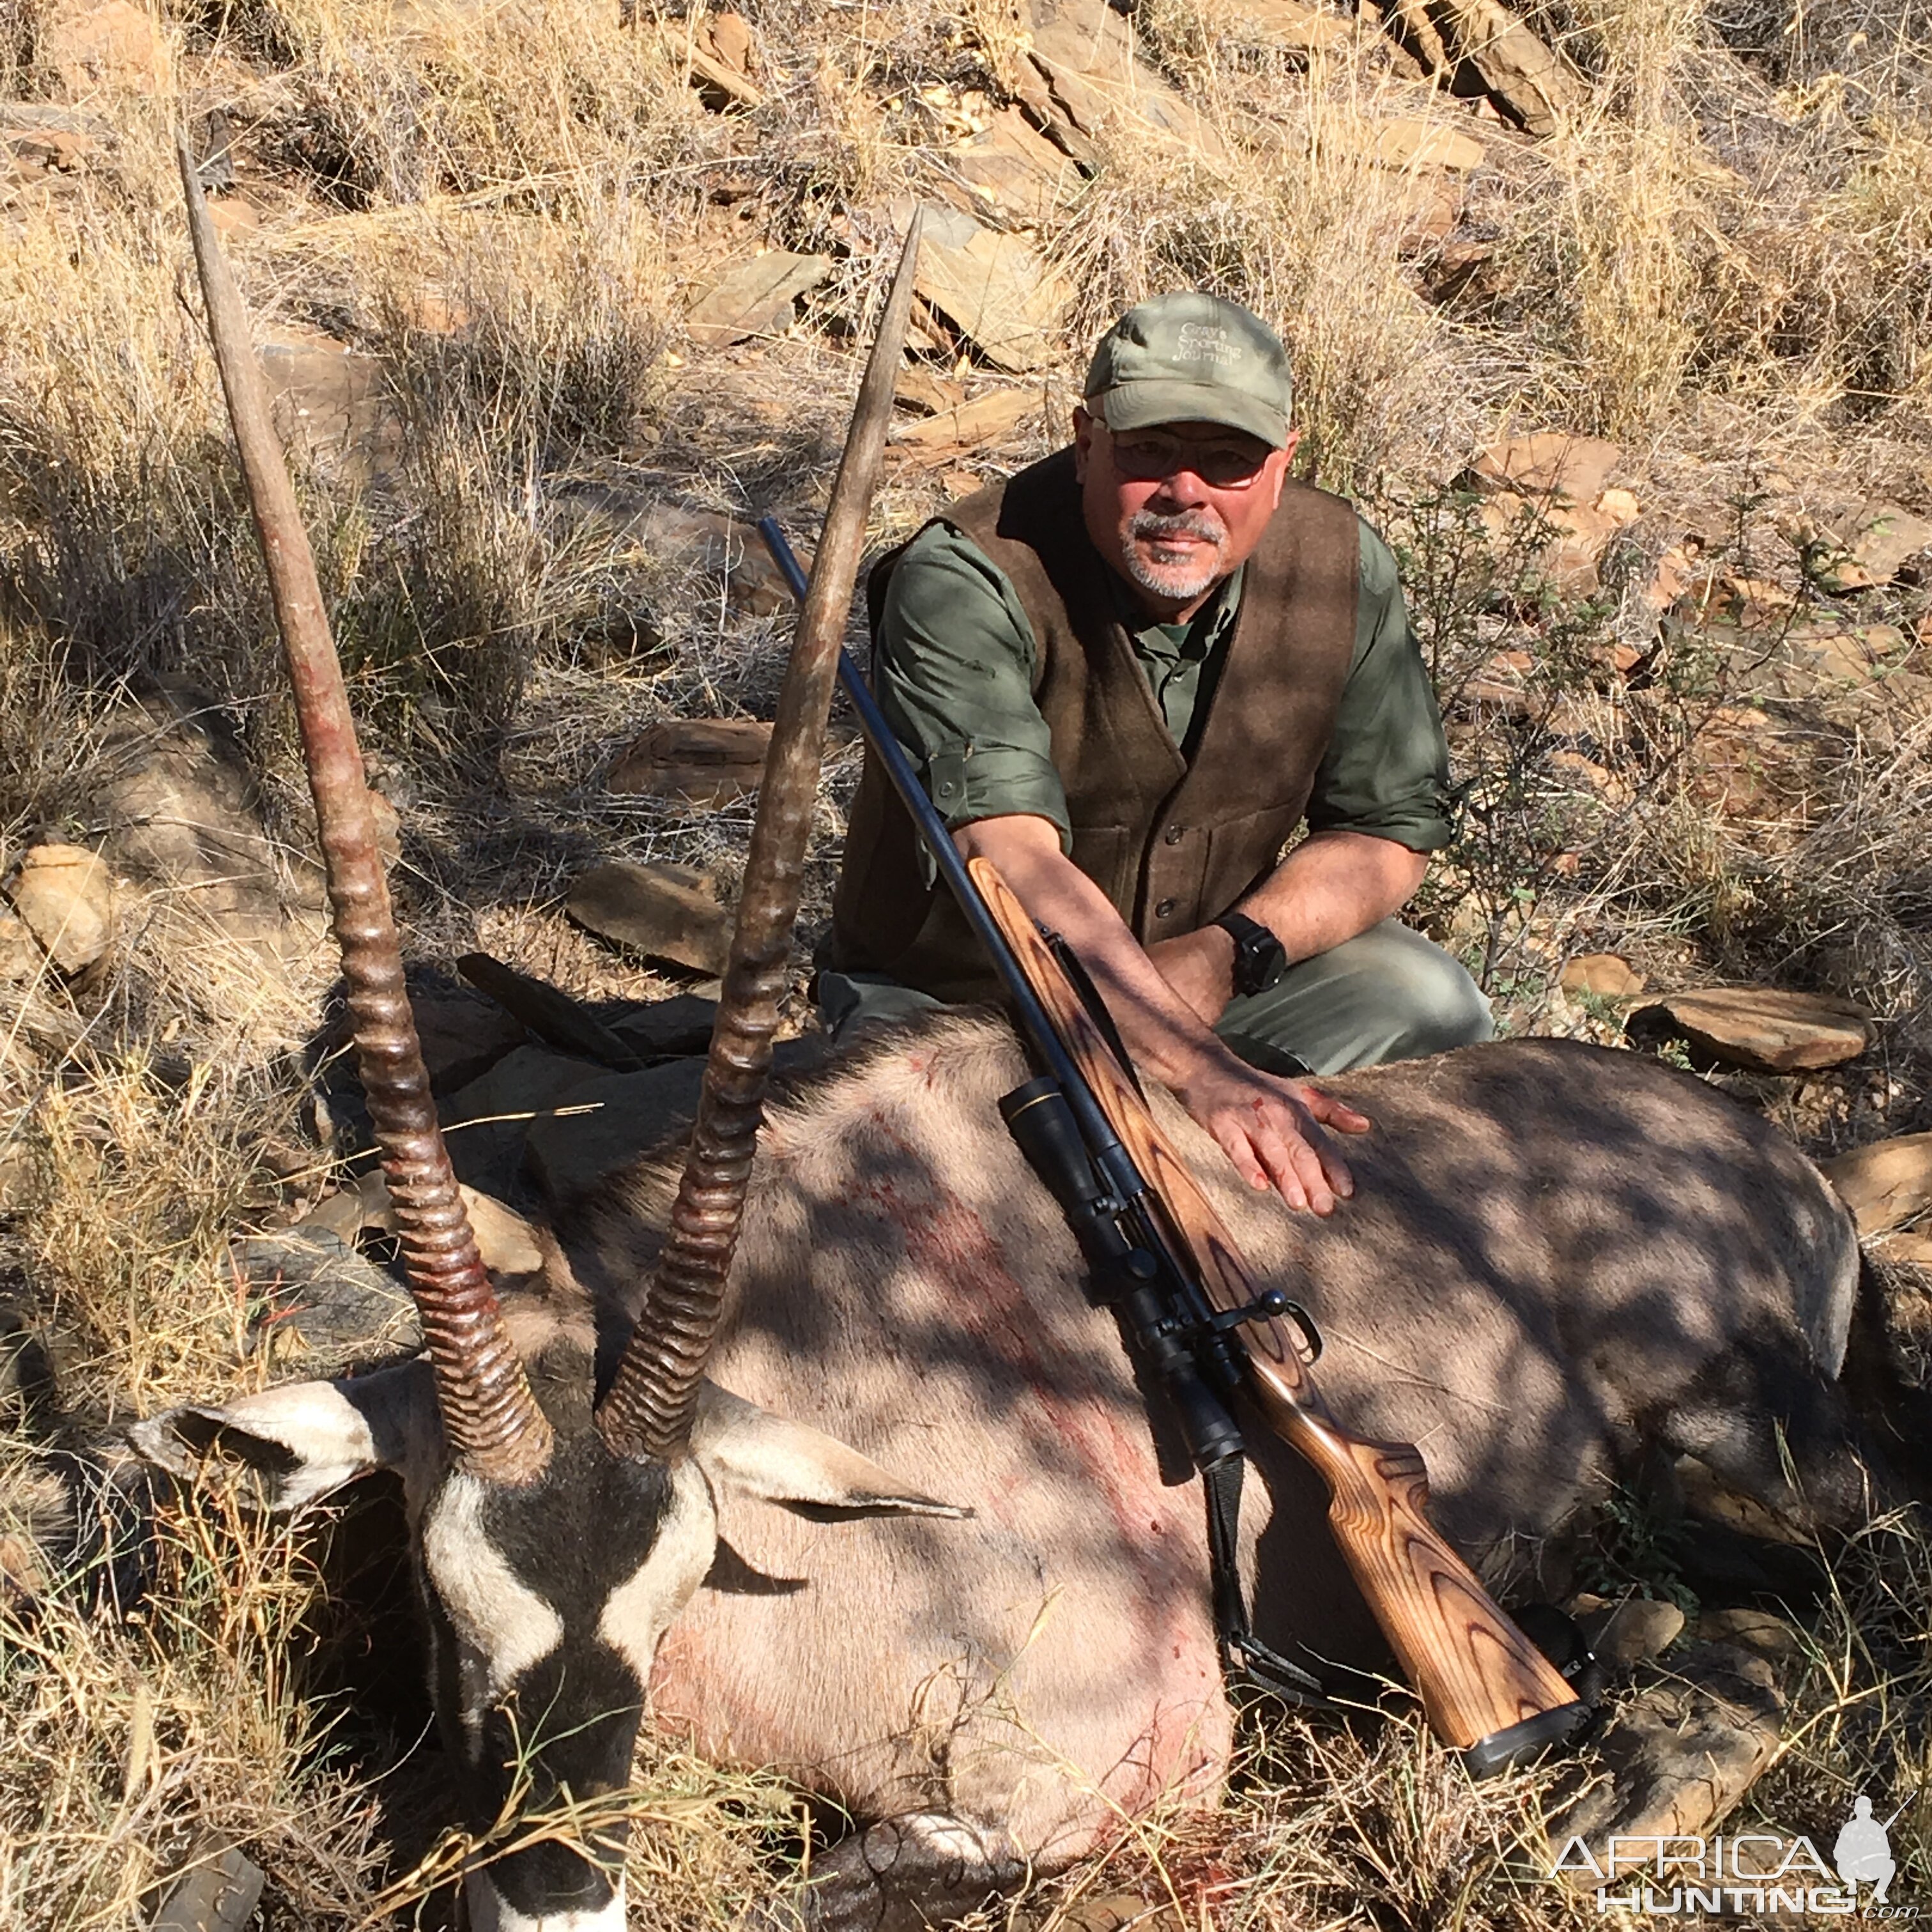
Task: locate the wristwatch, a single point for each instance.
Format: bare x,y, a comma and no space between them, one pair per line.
1260,959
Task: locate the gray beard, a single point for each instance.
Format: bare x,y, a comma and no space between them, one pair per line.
1179,583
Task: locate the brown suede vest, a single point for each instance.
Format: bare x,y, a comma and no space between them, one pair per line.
1172,845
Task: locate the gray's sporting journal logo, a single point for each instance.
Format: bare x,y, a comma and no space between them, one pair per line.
1757,1873
1208,342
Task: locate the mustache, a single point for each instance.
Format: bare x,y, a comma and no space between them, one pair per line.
1202,524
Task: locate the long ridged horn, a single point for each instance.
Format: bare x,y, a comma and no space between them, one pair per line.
495,1429
647,1409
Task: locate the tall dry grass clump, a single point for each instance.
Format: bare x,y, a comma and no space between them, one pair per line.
136,1747
1309,235
143,1163
1749,229
381,107
122,540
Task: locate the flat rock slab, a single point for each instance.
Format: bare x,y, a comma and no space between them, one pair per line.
1019,174
734,40
328,403
1609,975
1886,1184
665,1028
38,139
624,1036
219,1894
509,1243
993,287
1763,1029
1865,546
65,896
701,761
1527,83
463,1035
1282,24
556,1017
21,958
697,46
1680,1755
918,385
1405,142
1625,1635
488,1123
325,1307
112,43
612,1119
1552,463
1757,1631
985,419
753,297
1567,538
673,538
1085,52
184,813
666,912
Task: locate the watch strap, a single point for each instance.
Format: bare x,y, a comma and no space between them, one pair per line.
1259,955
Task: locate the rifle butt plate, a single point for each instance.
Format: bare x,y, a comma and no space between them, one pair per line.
1517,1743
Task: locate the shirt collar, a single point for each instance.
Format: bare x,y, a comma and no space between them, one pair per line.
1210,624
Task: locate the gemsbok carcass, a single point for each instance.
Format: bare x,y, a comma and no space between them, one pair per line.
823,1455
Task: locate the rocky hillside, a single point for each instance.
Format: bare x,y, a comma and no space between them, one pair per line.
1615,315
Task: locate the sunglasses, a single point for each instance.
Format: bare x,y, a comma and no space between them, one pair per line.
1150,459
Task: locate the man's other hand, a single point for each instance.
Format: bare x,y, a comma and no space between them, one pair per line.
1272,1129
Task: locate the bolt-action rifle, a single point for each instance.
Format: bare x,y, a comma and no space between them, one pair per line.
1160,1256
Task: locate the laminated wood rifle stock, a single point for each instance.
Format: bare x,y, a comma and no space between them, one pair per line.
1487,1690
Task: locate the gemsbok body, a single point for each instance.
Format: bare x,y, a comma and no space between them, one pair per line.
1559,1261
817,1450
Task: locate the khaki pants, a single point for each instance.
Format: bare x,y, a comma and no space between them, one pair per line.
1388,994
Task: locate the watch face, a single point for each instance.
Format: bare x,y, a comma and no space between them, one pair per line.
1254,962
1261,962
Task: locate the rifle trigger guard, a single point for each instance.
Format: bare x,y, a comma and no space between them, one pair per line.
1272,1304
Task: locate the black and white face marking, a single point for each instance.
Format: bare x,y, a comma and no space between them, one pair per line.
490,1911
546,1606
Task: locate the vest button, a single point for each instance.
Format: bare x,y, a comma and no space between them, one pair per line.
1165,909
1174,834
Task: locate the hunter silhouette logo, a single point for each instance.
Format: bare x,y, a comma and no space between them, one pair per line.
1754,1873
1863,1852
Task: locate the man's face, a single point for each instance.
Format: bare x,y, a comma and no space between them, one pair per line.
1176,508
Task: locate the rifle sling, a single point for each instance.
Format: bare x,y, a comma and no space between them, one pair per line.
1253,1669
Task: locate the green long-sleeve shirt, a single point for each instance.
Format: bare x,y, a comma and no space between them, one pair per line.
954,672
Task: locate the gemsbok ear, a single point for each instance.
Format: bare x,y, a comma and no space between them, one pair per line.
746,1449
305,1438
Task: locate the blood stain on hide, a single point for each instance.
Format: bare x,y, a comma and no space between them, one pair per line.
943,1234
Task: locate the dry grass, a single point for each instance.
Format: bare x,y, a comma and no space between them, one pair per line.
130,1742
1724,261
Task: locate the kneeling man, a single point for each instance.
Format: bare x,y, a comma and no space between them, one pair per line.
1128,675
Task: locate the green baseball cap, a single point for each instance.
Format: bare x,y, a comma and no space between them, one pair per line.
1192,358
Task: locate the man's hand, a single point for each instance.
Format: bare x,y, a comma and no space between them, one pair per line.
1271,1128
1200,966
